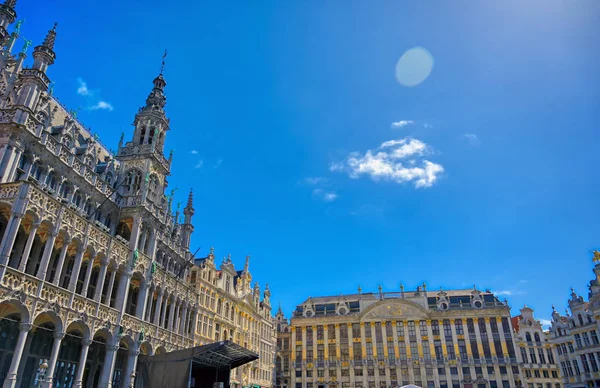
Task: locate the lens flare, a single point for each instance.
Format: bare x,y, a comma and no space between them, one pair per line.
414,66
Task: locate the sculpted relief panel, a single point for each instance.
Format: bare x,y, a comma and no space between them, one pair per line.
394,310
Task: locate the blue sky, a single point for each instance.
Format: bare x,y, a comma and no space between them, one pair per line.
282,121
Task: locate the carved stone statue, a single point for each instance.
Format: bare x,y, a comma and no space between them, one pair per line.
596,258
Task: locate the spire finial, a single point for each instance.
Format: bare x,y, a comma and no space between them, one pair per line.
190,198
50,37
162,66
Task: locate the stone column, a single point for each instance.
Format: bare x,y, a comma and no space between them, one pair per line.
47,382
152,245
109,365
184,320
163,320
171,314
111,284
194,324
48,248
123,290
135,233
28,245
101,279
157,311
61,261
142,299
76,269
177,320
82,359
129,372
11,377
149,304
143,237
88,275
10,235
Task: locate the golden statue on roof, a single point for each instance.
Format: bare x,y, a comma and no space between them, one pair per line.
596,257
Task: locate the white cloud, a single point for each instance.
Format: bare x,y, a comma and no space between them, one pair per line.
82,89
102,105
199,164
472,139
546,322
503,293
218,164
194,152
387,162
316,180
325,196
427,125
402,123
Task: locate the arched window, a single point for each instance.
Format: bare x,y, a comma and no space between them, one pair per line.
109,177
65,190
133,181
78,199
527,337
580,319
51,181
153,188
36,171
151,135
142,135
537,338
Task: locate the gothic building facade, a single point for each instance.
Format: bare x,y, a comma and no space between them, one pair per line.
93,262
434,339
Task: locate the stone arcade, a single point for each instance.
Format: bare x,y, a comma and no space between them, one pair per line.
93,263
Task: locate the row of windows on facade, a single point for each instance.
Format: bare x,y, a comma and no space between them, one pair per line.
532,357
541,373
411,329
572,323
582,340
392,372
419,383
589,362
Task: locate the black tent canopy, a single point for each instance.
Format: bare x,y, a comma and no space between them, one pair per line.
198,367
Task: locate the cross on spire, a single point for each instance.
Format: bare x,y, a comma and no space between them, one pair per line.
162,66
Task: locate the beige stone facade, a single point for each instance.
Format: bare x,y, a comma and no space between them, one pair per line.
538,357
230,309
455,338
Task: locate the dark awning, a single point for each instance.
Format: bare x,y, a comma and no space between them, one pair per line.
174,369
224,354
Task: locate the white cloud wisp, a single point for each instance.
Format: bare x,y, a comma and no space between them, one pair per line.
402,123
325,196
82,90
398,161
102,105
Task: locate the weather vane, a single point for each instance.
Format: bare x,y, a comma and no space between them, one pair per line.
162,67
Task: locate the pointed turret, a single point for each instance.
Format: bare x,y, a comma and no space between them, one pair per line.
43,55
7,17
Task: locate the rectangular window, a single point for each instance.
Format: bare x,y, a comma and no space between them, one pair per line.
320,335
586,339
470,326
402,352
586,368
426,350
356,330
414,352
594,336
331,331
411,330
466,371
542,356
502,370
358,372
536,373
545,374
435,327
458,327
593,362
450,349
343,332
321,353
462,349
442,371
388,329
482,328
382,372
532,355
368,330
331,351
423,328
437,345
447,328
345,372
298,334
491,370
494,325
578,340
390,350
487,353
474,348
399,329
576,368
357,351
524,355
571,350
378,332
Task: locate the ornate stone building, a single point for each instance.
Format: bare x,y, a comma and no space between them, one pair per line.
284,351
93,262
231,309
539,367
455,338
575,335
